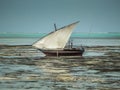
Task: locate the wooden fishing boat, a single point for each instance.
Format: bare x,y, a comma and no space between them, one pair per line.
54,43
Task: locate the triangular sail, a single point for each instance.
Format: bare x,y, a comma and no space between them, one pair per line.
56,40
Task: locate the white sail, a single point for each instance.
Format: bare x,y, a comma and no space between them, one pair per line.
56,40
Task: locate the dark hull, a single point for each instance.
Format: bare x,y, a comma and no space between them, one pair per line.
66,52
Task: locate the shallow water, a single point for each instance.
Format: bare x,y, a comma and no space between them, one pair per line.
23,67
76,41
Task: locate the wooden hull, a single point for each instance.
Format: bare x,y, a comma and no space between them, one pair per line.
66,52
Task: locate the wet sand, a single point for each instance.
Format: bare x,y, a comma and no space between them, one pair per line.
25,68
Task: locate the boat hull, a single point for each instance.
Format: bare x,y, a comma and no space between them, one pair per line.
66,52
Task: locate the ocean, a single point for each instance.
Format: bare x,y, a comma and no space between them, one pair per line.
76,41
23,67
85,39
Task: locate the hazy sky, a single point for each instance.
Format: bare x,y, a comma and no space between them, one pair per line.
31,16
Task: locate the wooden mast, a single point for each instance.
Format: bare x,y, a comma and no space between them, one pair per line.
55,27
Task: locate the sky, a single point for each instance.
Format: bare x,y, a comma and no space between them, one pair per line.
39,16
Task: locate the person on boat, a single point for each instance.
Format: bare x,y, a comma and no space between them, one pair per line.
82,48
71,45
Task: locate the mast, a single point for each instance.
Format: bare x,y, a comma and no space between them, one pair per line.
55,27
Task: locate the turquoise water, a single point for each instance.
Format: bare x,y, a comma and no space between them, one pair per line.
21,35
81,35
96,35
